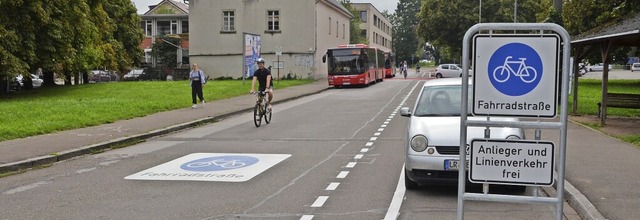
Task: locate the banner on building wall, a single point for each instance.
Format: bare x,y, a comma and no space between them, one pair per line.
251,53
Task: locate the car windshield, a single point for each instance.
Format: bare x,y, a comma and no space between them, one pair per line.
441,101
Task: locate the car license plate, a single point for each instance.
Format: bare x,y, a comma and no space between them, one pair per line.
453,164
346,83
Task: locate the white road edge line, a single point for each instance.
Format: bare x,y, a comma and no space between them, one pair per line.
320,201
398,196
306,217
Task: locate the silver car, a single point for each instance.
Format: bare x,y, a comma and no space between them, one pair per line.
433,136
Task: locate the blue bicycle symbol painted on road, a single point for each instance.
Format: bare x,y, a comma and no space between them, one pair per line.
519,60
219,163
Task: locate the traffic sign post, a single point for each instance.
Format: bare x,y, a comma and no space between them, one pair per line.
278,54
515,75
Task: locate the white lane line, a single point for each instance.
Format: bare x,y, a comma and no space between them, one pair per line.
369,144
306,217
332,186
373,138
320,201
376,134
342,174
380,129
351,165
393,114
364,150
396,202
386,122
358,156
383,126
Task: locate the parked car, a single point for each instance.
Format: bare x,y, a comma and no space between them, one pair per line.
597,67
133,74
432,142
35,80
102,76
635,67
449,70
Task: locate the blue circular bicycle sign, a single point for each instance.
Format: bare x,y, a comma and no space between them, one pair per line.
219,163
515,69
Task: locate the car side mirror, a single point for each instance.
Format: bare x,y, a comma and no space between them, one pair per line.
405,111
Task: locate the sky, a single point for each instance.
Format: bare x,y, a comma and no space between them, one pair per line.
381,5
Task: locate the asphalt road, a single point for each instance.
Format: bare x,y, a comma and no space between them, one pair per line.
342,155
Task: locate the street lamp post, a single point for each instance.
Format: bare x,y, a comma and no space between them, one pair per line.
480,12
515,11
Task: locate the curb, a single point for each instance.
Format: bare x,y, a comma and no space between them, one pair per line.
580,203
126,141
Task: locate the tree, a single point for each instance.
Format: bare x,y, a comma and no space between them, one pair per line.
165,51
443,23
405,22
127,35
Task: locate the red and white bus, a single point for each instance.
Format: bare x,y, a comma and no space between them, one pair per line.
354,64
389,65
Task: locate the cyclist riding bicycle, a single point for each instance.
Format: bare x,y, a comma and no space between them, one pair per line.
263,76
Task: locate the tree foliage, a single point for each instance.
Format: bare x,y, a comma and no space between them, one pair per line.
67,36
405,22
165,51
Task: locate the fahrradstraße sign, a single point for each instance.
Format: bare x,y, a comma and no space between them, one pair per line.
515,75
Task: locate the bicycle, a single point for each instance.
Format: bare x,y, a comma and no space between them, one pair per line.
260,109
524,71
219,163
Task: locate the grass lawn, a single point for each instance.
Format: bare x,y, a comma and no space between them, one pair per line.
590,93
47,110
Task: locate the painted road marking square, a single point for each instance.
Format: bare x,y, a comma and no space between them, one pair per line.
218,167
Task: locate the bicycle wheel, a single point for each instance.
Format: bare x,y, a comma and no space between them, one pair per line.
528,74
257,116
501,74
267,115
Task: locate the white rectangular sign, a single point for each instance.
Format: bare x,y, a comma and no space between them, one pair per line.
515,75
221,167
511,162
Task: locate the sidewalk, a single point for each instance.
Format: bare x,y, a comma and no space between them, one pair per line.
603,169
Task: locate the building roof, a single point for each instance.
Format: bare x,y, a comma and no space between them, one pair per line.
184,8
339,6
625,33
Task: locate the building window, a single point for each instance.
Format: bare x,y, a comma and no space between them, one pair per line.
363,16
329,25
375,20
185,26
147,27
273,20
167,27
174,27
228,21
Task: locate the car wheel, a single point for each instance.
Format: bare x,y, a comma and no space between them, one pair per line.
590,70
438,75
408,183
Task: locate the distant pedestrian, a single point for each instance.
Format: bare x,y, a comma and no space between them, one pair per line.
197,81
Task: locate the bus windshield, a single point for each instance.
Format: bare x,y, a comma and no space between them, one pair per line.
346,62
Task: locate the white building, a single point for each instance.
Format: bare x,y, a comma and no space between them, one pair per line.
375,26
304,29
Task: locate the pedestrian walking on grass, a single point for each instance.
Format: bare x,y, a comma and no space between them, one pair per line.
197,81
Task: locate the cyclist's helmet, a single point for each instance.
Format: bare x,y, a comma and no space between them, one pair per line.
260,60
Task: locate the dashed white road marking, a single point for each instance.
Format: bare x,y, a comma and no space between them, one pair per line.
376,134
332,186
369,144
373,138
320,201
358,156
380,129
351,165
342,174
383,126
364,150
306,217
